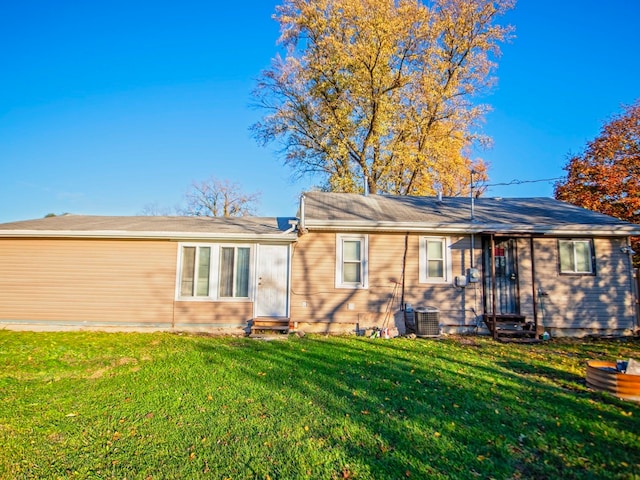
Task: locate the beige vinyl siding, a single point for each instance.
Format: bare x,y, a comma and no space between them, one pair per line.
74,282
114,284
316,300
101,282
600,302
206,315
456,305
575,304
314,296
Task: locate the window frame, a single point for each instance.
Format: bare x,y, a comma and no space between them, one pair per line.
340,261
423,262
213,293
575,271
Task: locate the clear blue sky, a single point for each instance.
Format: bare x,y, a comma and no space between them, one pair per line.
106,107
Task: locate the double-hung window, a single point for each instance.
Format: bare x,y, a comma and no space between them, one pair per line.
435,260
351,261
576,256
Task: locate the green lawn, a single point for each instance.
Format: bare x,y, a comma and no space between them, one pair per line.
151,406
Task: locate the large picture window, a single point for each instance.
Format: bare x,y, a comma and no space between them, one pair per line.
214,271
576,256
351,261
435,260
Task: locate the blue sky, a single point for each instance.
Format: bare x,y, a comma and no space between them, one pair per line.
106,107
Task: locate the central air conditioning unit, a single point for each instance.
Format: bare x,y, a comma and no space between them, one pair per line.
427,320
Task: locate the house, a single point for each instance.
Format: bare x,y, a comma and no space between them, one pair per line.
347,262
192,274
526,264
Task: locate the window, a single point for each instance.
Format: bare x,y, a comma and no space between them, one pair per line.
214,271
576,256
435,260
351,261
196,265
234,272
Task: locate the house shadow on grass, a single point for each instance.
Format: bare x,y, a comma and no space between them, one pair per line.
392,409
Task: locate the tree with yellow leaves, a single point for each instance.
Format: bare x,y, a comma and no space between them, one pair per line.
378,94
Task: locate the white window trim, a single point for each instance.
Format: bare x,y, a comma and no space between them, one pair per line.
422,263
214,273
364,252
573,241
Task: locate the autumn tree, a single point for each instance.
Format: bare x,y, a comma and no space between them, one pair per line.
605,177
219,198
381,92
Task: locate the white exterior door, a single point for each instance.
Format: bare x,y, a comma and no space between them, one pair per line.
272,281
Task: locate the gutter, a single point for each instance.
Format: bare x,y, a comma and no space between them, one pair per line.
287,236
465,228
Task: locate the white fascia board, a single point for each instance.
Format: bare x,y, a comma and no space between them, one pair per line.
117,234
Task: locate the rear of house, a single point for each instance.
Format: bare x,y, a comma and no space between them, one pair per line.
363,261
144,273
347,263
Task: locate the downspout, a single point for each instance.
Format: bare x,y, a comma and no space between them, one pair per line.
635,283
493,286
636,288
533,286
404,268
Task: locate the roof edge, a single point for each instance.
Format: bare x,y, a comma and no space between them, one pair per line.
468,228
119,234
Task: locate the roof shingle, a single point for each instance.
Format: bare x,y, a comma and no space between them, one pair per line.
156,226
501,214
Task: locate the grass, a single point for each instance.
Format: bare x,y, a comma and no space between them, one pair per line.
151,406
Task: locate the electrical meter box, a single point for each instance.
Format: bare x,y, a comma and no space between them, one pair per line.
474,275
